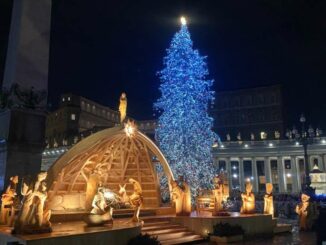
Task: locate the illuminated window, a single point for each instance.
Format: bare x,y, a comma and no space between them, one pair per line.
73,117
63,99
68,98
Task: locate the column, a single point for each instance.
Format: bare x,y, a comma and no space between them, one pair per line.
321,162
217,165
311,162
268,170
228,170
298,173
255,175
241,175
280,172
294,173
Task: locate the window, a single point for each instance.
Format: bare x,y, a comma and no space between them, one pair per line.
73,117
63,99
68,98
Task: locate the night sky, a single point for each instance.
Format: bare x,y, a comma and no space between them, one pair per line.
101,48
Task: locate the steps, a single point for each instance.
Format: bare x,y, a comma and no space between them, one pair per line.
281,228
168,232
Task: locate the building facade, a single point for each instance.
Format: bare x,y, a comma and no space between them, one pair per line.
248,113
280,162
75,118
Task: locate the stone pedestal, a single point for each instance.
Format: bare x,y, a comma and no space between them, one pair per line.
22,136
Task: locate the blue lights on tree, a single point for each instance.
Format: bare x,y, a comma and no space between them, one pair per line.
184,131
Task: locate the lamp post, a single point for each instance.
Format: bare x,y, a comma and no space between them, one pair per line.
305,140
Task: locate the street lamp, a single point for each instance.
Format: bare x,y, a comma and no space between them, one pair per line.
305,140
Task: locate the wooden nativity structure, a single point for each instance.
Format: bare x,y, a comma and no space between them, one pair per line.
109,157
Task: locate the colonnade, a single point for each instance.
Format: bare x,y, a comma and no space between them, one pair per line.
286,174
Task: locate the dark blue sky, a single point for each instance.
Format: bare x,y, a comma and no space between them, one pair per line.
101,48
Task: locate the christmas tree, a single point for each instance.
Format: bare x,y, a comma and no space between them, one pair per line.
184,131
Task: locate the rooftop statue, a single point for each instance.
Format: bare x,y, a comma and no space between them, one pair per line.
123,107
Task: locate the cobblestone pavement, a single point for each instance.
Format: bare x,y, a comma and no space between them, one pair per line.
294,238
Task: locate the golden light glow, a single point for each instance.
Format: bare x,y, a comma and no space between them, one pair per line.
130,128
108,195
183,20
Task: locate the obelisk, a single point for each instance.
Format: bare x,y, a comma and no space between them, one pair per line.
27,60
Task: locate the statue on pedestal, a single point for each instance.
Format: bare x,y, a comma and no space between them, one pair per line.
268,200
123,107
8,201
101,212
136,199
307,212
248,200
181,197
219,194
228,137
34,217
252,137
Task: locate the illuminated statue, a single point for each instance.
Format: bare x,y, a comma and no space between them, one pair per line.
307,212
99,204
34,216
268,200
101,212
218,195
123,107
124,198
135,200
248,200
186,207
177,196
8,201
181,197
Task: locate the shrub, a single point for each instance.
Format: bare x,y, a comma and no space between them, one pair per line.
144,240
